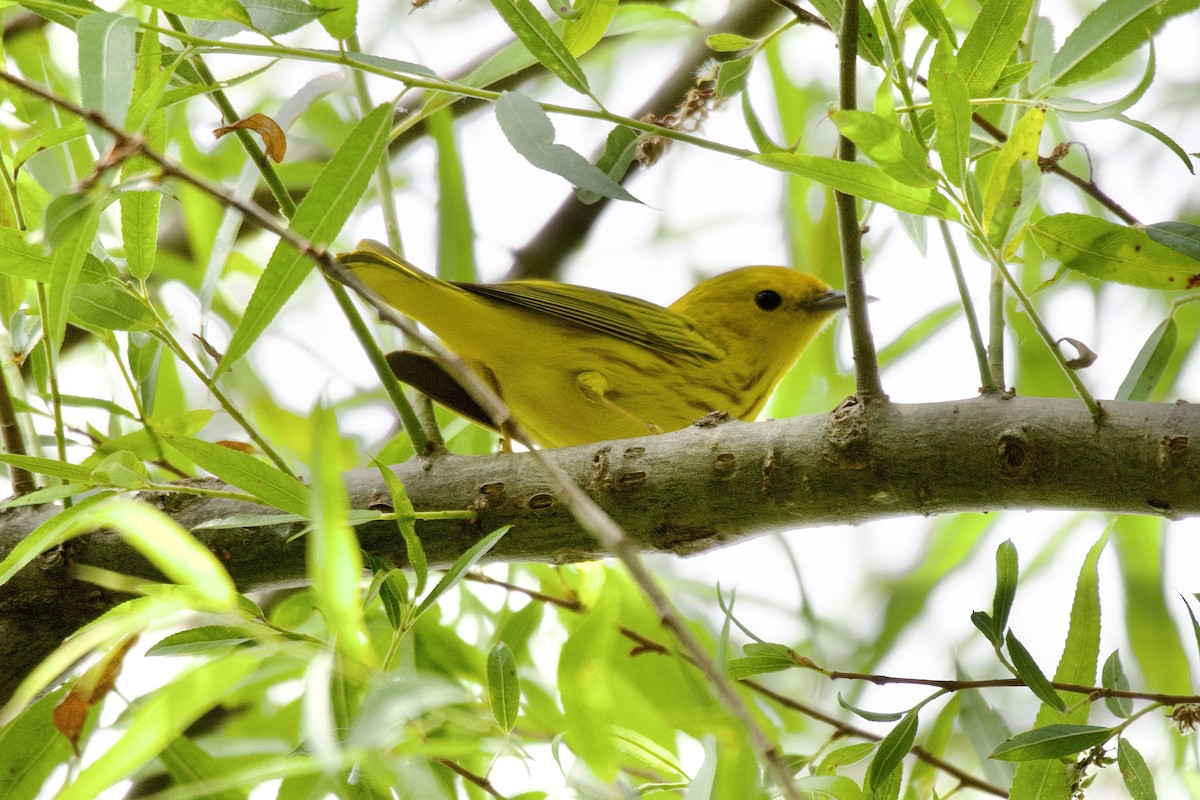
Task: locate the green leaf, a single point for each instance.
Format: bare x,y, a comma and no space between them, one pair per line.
406,522
111,306
459,569
931,17
588,28
1082,110
732,76
189,763
1028,671
1195,623
1107,251
873,716
340,17
893,149
870,47
319,218
620,148
42,142
531,133
1110,32
59,528
1112,676
1151,362
140,210
1051,741
1183,237
536,34
456,233
1006,587
50,466
72,239
742,668
836,787
1167,141
1153,635
107,47
983,622
504,688
844,757
729,42
269,17
31,748
333,558
204,9
246,472
861,180
1004,200
951,113
204,639
1139,781
892,750
991,43
155,723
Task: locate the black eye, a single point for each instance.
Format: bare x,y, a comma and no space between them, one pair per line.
768,300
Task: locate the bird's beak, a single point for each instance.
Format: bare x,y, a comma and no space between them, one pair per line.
831,300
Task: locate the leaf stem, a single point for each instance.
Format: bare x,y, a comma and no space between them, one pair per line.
981,353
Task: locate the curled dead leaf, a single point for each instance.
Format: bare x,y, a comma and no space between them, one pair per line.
1084,357
274,140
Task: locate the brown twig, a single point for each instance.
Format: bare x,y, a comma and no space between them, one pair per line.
480,781
10,430
806,17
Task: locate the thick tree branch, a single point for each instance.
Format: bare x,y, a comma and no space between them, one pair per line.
685,492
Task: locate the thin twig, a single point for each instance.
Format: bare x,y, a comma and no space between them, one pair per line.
866,365
981,356
14,443
806,17
480,781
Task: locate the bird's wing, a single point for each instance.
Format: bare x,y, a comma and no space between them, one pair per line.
428,376
627,318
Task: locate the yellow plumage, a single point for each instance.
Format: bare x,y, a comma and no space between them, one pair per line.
581,365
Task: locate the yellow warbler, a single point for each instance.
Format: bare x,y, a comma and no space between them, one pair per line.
580,365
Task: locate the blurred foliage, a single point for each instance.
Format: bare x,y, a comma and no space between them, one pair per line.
142,311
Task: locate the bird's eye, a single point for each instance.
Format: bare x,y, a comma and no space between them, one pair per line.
768,300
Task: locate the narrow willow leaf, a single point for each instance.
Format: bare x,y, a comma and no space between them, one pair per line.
835,787
951,112
1082,110
758,132
140,210
1192,615
893,149
44,141
111,306
333,558
1051,741
1183,237
72,239
891,751
269,17
504,688
531,133
406,522
1139,781
862,180
983,622
1028,671
246,472
588,28
729,42
49,466
456,232
340,19
1154,638
732,76
1098,29
1110,252
1012,74
873,716
527,23
153,725
1004,195
620,148
205,9
991,42
204,639
870,45
189,763
107,47
31,749
1147,369
1112,676
931,17
166,545
319,218
1006,586
1167,141
844,757
742,668
59,528
459,569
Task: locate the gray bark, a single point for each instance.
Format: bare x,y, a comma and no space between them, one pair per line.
685,492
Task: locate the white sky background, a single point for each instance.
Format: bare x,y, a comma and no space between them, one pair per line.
705,213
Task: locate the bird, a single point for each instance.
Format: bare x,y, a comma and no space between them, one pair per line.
578,365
